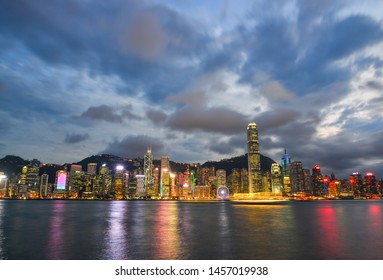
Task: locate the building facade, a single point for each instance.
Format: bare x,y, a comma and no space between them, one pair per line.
254,159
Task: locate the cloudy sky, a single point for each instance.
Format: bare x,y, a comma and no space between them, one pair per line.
79,78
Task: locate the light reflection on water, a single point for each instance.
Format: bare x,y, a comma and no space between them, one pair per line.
55,236
183,230
115,241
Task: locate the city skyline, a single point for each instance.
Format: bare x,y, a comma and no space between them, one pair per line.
82,79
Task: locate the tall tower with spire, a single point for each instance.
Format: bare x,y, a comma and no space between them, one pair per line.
148,172
254,159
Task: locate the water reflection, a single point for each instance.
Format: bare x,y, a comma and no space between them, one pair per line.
181,230
224,229
56,238
166,232
115,241
375,227
329,234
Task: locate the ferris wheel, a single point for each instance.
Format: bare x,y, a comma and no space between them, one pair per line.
223,192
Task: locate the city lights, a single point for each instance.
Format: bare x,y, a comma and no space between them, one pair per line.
142,179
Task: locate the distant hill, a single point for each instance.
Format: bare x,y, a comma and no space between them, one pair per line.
12,165
110,160
238,162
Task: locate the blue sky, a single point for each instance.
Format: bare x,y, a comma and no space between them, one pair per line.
79,78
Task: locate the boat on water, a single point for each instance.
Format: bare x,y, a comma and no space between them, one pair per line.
260,201
264,198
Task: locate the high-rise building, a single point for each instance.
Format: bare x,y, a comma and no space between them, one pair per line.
140,190
276,178
77,182
148,172
192,182
92,168
75,168
156,182
30,177
254,159
356,182
369,184
308,182
44,191
165,176
285,163
244,180
186,183
119,183
221,177
3,185
61,184
234,181
173,186
317,179
297,177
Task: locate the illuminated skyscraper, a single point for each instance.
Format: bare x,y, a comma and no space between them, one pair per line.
244,181
221,177
317,180
286,164
369,184
297,177
30,175
235,181
61,184
254,159
44,185
75,168
140,190
192,182
276,178
92,169
148,172
119,184
356,182
3,185
165,176
308,182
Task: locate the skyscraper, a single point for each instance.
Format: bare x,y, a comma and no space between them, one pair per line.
254,159
148,172
92,168
317,180
276,178
165,176
297,177
221,177
286,165
44,185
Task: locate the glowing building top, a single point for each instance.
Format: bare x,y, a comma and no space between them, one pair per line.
254,159
285,163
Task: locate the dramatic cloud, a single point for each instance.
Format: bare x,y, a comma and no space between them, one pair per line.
72,138
134,146
191,76
272,120
156,116
188,98
219,119
226,147
102,112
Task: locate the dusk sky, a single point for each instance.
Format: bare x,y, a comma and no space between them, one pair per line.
79,78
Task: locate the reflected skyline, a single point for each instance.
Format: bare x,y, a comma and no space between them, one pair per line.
180,230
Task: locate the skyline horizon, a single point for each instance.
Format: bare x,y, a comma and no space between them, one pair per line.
323,168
